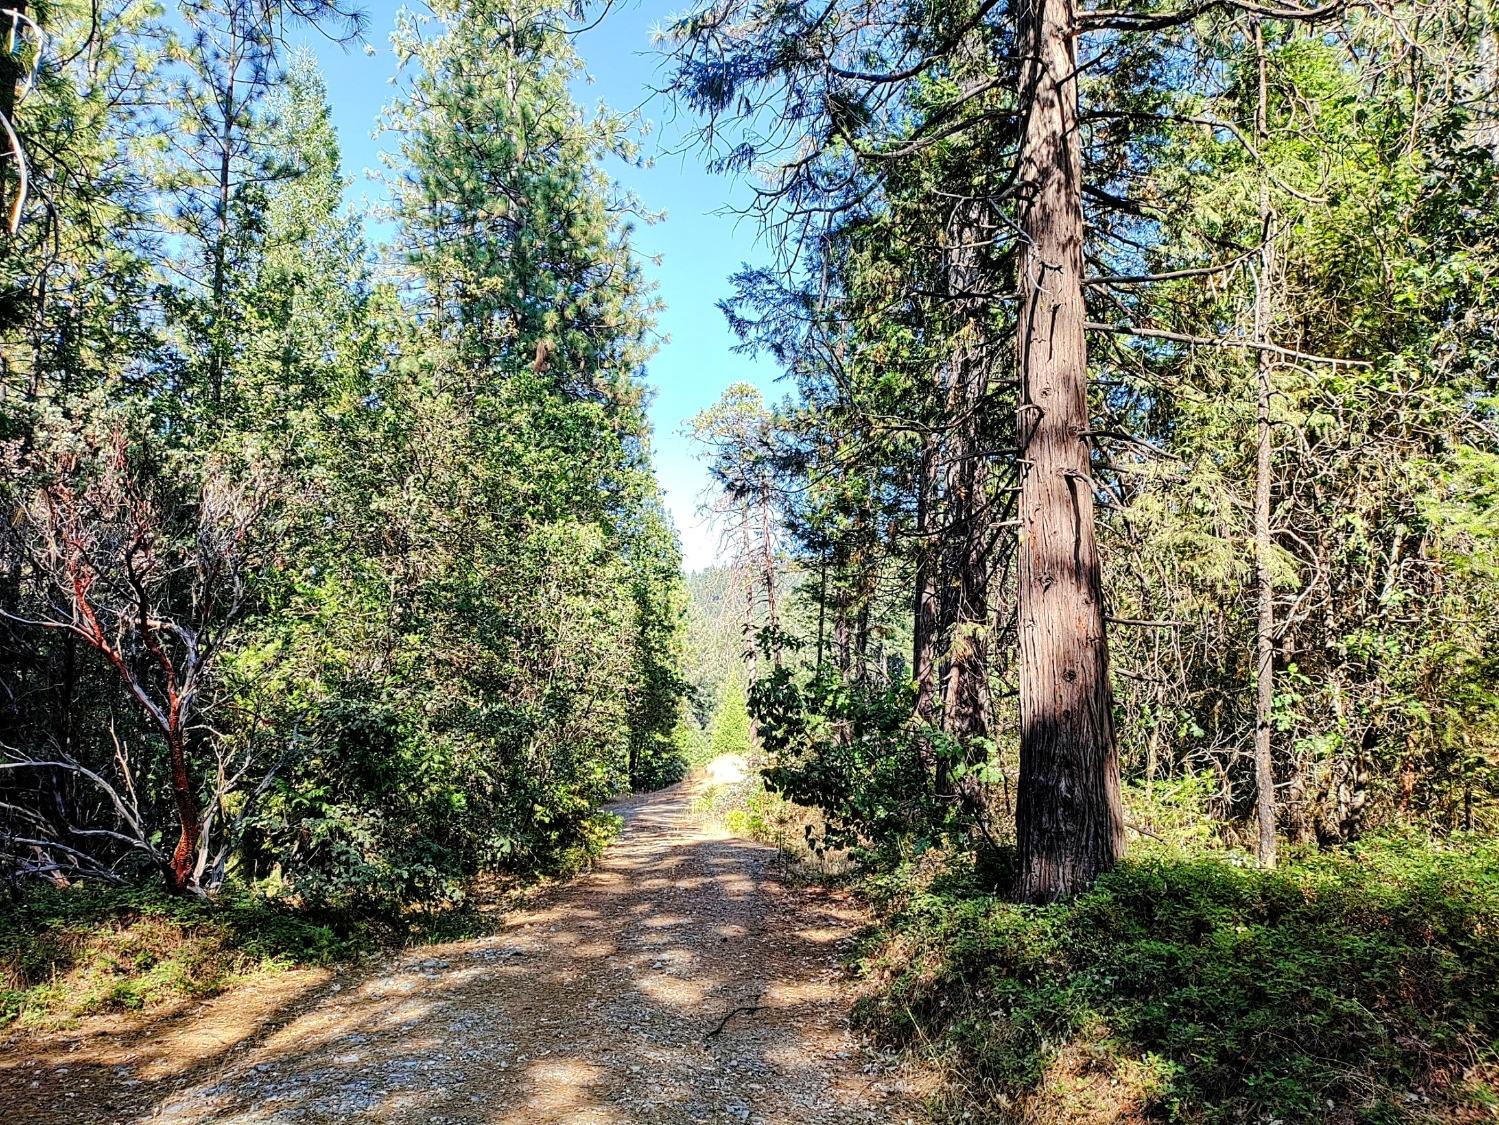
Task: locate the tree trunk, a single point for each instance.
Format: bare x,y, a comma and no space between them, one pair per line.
1069,822
10,77
1264,773
218,344
840,636
747,570
967,698
924,631
822,607
768,576
180,869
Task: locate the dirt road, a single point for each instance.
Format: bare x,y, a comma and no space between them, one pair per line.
678,982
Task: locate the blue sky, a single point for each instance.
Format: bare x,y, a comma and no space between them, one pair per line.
698,242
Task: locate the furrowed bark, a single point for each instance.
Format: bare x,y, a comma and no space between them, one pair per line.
768,577
10,77
926,621
1069,822
924,631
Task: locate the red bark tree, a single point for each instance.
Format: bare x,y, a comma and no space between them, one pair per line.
153,590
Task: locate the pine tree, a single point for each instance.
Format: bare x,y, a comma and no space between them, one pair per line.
731,721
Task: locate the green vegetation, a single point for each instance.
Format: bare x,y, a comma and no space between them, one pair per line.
90,949
1116,584
1357,985
731,720
715,639
1356,982
1138,477
336,578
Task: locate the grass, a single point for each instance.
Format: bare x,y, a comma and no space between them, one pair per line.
67,953
1360,985
86,949
748,809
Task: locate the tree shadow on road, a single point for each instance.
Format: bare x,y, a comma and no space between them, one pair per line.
674,983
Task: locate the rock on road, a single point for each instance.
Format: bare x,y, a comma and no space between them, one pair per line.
677,982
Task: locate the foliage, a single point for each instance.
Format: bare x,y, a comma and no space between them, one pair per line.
1381,471
444,622
659,755
1262,196
1352,985
730,732
853,755
692,742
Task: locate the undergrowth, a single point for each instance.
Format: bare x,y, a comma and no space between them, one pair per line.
80,950
748,809
84,949
1358,985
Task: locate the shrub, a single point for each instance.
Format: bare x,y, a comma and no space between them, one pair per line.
381,815
855,756
1357,985
662,760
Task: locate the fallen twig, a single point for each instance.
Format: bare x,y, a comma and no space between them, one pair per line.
732,1012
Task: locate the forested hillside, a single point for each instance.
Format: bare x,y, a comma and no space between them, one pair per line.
341,580
716,641
726,609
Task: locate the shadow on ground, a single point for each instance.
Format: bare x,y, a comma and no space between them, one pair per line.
675,983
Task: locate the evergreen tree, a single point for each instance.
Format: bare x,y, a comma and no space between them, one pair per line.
387,594
926,156
731,721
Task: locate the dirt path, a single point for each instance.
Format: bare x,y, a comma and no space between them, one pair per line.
676,983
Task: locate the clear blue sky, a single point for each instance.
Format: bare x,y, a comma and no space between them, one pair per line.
698,246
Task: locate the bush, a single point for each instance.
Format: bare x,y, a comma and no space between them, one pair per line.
1357,985
662,760
855,756
381,816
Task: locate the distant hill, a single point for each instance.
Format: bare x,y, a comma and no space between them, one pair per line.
715,633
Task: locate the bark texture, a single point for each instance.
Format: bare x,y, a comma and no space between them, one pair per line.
1069,822
967,695
10,77
926,620
180,874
